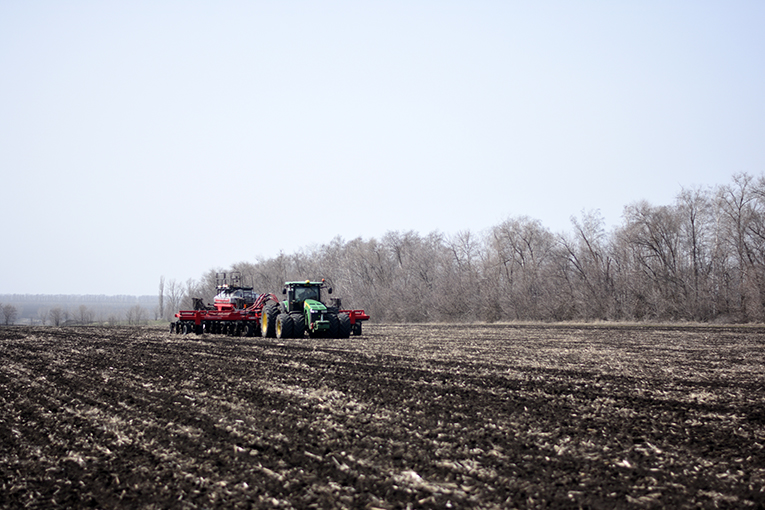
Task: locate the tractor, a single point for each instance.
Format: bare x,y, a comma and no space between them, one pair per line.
305,310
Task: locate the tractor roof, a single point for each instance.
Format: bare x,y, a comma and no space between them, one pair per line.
305,283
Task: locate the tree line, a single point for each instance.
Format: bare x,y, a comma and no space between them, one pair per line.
701,258
80,316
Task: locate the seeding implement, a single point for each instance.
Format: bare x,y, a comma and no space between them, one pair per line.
236,310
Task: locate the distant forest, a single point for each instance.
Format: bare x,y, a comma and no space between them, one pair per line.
701,258
76,309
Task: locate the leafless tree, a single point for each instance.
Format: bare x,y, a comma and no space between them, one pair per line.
161,298
56,315
136,315
741,212
85,315
699,250
590,279
42,314
9,314
113,319
174,295
193,290
522,250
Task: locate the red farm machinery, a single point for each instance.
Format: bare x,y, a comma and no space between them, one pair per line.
239,311
235,311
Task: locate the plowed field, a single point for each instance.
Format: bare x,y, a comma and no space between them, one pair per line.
445,416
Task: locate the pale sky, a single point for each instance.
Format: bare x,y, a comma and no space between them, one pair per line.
141,139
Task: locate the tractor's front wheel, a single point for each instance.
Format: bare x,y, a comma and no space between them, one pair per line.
283,325
334,326
268,319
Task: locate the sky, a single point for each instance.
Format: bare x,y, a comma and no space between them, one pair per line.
167,138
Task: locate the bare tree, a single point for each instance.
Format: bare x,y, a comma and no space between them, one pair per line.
56,315
698,249
193,290
523,250
590,283
85,315
136,315
113,319
161,300
9,314
174,295
42,314
459,293
740,213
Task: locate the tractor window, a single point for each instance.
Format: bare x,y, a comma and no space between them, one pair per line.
303,293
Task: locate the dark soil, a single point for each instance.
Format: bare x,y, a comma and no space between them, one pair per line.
462,416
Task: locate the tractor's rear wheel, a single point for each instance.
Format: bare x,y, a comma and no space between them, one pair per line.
298,324
344,325
268,319
283,325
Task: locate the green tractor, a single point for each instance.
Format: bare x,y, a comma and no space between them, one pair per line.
304,310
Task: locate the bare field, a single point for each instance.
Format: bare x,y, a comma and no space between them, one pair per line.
418,416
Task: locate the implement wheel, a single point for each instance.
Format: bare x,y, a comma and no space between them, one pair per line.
283,325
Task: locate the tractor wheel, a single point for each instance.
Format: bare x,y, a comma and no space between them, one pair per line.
172,327
357,329
298,324
344,325
283,325
334,326
268,319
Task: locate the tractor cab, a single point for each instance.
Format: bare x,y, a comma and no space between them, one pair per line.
299,292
